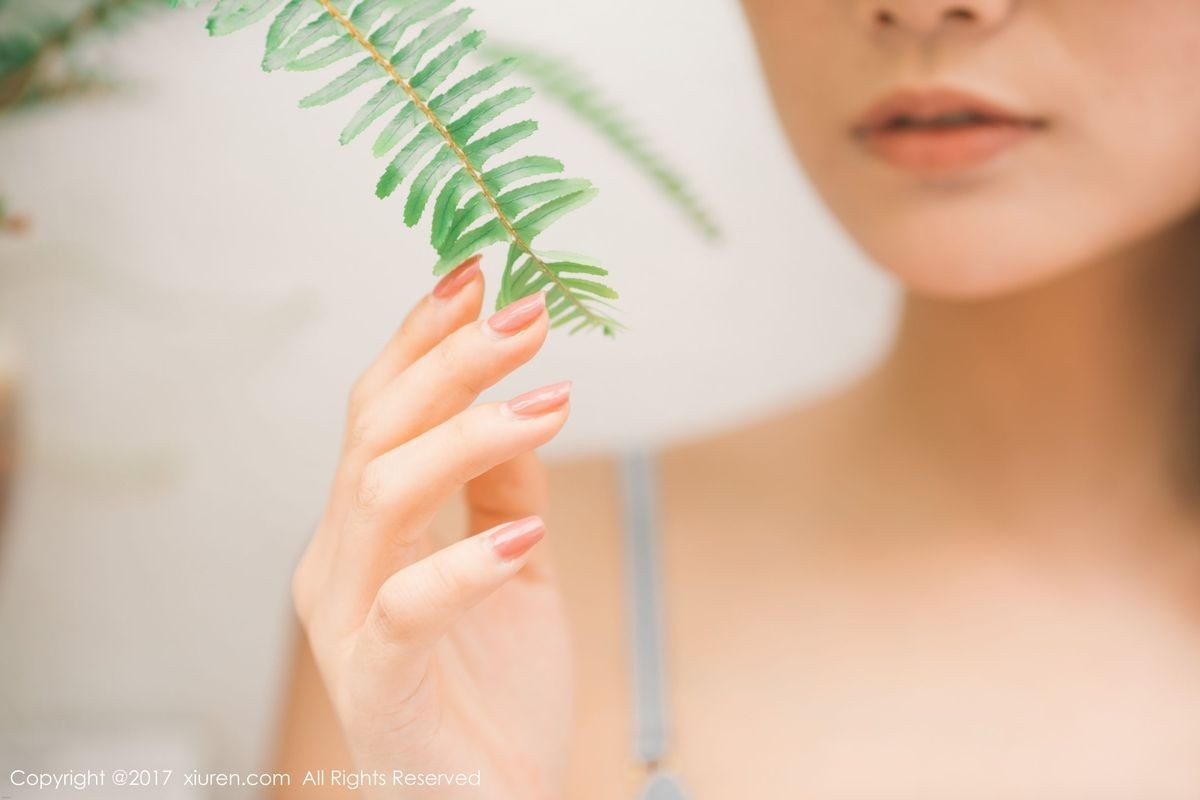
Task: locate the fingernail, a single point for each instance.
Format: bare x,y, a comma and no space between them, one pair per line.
514,539
517,314
540,401
453,281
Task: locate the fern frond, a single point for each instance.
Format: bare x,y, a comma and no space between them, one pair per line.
443,145
561,81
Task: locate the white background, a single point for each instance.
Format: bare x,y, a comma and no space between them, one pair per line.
209,270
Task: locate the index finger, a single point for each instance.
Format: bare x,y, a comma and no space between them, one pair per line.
454,301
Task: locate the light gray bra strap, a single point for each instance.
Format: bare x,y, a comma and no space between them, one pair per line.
643,576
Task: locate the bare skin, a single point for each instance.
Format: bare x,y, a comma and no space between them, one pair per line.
974,573
846,621
982,612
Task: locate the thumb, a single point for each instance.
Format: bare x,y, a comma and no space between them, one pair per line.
415,607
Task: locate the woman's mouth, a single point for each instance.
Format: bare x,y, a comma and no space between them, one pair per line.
940,130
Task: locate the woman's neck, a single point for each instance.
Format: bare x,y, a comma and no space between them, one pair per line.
1043,401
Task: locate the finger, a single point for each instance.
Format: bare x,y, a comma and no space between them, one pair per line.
402,490
512,490
417,605
440,384
451,376
454,301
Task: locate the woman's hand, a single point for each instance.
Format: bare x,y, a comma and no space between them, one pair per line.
442,659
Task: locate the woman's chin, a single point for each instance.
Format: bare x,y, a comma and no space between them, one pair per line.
966,270
979,242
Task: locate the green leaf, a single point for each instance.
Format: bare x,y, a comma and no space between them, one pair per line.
487,111
563,262
361,73
590,287
392,94
446,205
440,66
519,169
400,126
528,279
286,23
368,12
474,240
470,213
588,269
496,142
318,30
458,95
17,52
406,160
505,296
235,16
565,319
389,34
478,206
538,220
409,49
525,197
322,57
388,96
423,185
408,57
558,79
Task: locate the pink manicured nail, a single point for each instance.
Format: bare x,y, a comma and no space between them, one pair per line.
514,539
453,282
540,401
517,314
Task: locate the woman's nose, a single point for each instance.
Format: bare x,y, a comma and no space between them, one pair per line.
927,17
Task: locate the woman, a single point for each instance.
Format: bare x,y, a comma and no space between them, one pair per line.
974,573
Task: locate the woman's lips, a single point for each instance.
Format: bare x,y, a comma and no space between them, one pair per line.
940,130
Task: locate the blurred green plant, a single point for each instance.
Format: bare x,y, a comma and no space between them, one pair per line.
40,41
40,59
562,81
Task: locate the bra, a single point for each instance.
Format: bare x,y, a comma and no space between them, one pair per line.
644,607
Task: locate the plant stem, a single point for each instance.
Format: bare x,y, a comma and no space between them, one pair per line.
437,123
